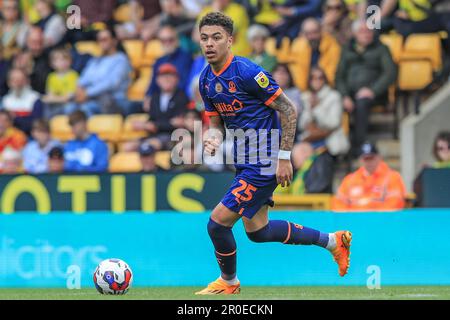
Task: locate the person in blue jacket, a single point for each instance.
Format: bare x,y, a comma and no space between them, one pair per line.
85,153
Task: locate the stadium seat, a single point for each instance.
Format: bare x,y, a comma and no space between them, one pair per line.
162,159
111,148
135,51
271,46
107,126
136,92
125,162
394,42
128,133
60,128
153,50
424,46
312,201
88,47
414,74
123,13
283,54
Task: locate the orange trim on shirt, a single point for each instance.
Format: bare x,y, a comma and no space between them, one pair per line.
211,113
272,98
227,64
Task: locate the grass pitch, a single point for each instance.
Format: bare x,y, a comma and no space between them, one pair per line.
247,293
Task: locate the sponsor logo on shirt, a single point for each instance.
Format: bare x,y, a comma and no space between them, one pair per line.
262,80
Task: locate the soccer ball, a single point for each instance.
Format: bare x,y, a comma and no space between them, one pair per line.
113,276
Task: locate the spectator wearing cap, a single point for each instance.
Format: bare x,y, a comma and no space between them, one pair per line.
173,54
22,101
257,36
148,158
374,186
103,83
85,153
166,107
35,153
56,160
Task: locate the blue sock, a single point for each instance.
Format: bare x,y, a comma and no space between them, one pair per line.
225,245
289,233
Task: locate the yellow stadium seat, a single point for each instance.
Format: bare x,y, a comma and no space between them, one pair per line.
283,54
125,162
394,42
128,133
135,51
88,47
162,159
123,13
107,126
111,148
60,128
414,74
137,90
424,46
153,50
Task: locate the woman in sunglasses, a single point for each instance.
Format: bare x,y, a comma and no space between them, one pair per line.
336,20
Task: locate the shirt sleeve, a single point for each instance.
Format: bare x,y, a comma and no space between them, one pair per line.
260,84
210,110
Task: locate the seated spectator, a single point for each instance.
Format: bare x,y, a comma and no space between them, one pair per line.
142,14
173,14
52,24
22,101
4,68
9,135
263,11
61,83
257,36
173,54
148,158
283,77
56,160
103,84
363,77
11,161
320,123
86,153
374,186
35,153
167,106
241,23
293,14
335,21
441,150
12,29
314,47
38,59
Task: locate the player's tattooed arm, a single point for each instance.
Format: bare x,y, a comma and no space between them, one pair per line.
288,119
215,135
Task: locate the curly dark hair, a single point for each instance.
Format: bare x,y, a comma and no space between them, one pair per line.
217,19
441,136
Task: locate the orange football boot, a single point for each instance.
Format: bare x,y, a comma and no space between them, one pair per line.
220,287
341,253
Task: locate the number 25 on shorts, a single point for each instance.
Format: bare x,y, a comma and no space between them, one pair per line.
246,188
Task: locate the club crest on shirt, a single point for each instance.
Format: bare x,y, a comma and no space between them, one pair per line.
218,87
231,87
262,80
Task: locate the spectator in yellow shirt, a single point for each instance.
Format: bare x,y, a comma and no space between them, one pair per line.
61,84
238,14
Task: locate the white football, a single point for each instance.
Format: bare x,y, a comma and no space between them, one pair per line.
113,276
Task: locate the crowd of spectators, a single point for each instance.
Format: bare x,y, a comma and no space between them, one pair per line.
337,67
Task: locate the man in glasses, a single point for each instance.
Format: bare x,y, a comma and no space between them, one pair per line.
373,187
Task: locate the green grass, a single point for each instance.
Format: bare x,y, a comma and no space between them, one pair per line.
262,293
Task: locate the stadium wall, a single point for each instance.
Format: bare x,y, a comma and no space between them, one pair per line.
417,133
409,247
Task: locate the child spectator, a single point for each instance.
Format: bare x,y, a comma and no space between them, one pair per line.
374,186
56,160
35,153
441,150
22,101
11,162
85,153
148,158
61,84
